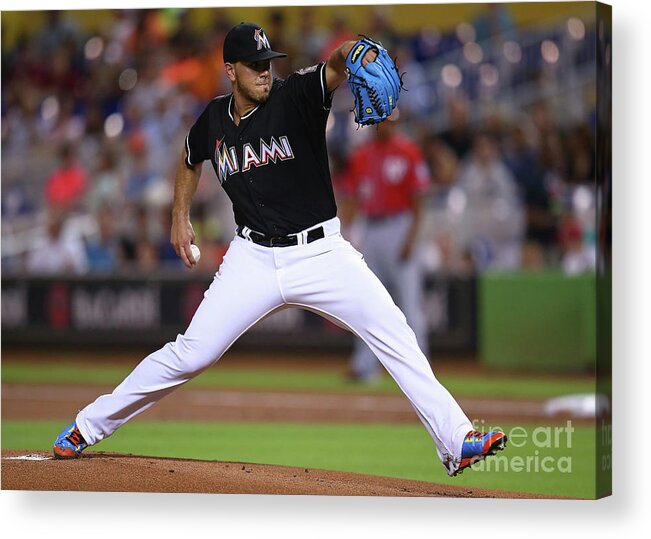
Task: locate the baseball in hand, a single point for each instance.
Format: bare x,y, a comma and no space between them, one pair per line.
196,253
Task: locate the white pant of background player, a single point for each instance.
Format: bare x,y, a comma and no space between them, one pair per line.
327,276
381,242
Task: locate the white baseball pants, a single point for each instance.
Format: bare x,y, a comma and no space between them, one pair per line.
327,276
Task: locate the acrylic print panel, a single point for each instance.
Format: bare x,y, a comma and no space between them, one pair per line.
483,205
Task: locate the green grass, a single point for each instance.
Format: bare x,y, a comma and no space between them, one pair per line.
404,451
277,379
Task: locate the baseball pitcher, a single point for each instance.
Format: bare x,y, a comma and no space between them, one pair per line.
266,143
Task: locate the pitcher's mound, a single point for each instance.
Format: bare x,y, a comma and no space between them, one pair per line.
110,472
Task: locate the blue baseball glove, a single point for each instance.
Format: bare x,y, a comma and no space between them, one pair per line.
376,87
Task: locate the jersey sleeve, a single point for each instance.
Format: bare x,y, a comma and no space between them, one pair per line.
308,89
197,142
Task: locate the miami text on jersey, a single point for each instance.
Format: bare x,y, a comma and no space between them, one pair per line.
227,162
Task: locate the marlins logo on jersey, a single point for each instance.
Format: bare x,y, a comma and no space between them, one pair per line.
226,160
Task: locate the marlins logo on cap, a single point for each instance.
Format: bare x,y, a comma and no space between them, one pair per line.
248,42
261,38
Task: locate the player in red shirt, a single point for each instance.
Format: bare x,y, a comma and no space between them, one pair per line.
67,184
386,181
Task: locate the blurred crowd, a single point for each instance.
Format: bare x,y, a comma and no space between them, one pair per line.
93,127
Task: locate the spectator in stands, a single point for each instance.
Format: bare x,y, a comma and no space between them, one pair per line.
493,217
58,29
442,161
149,90
67,184
451,258
147,259
184,37
141,179
58,86
131,227
309,40
525,165
553,163
381,27
59,252
579,146
542,118
64,77
417,101
339,32
577,257
103,249
494,22
279,36
425,45
107,186
458,135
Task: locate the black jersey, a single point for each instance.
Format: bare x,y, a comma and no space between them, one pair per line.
274,164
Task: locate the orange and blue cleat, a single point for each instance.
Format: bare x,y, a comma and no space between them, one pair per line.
479,445
70,443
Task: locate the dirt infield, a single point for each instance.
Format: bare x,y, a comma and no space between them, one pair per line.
57,402
107,472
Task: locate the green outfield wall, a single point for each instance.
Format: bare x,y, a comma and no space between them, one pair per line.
537,321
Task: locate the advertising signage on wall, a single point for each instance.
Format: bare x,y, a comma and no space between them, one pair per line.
138,311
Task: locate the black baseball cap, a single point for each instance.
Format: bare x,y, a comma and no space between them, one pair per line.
248,42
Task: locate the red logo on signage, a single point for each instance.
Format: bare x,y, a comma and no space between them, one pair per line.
58,305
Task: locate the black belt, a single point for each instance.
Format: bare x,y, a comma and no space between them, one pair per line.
281,241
